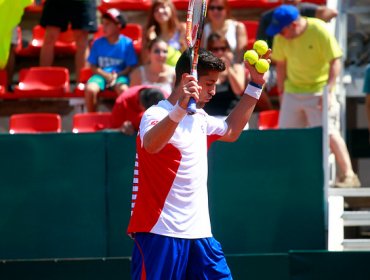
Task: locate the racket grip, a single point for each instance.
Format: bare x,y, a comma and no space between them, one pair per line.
191,109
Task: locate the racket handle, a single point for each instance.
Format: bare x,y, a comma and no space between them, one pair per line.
191,109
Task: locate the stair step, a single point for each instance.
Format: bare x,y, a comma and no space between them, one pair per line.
356,244
356,218
350,192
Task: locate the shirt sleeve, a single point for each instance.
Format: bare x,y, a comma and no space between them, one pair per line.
216,126
131,57
278,49
93,55
151,117
119,113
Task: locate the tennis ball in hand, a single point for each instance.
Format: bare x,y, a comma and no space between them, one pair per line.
251,56
260,47
262,65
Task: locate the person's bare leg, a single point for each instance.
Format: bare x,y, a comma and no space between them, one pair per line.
342,157
82,50
47,49
91,97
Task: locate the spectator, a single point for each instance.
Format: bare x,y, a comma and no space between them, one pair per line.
156,71
305,9
129,107
164,23
231,82
56,17
366,90
111,59
219,19
307,59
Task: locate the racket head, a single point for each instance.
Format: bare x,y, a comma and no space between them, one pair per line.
195,18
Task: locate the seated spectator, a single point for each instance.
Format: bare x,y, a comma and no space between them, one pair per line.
55,18
366,90
220,21
156,72
111,59
164,23
129,107
231,82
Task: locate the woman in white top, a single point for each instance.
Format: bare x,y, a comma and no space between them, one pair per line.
155,72
219,21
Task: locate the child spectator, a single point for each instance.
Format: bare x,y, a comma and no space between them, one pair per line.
129,107
111,59
156,72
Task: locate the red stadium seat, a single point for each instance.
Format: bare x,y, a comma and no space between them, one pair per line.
125,5
36,7
35,123
268,119
181,4
43,82
242,4
65,45
91,122
251,26
132,30
3,81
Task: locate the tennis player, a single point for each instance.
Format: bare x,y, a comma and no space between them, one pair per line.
170,218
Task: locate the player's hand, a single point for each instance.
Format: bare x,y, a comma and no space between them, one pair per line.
190,88
256,77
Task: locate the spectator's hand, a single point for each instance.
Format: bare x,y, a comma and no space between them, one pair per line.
150,34
257,77
127,128
190,88
228,58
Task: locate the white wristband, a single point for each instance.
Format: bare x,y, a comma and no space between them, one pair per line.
177,113
253,90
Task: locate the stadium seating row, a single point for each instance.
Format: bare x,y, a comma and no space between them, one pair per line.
52,123
142,5
92,122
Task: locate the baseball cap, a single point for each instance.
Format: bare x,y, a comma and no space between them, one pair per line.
281,18
116,16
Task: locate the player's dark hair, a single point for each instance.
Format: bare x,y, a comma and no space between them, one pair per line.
207,61
150,96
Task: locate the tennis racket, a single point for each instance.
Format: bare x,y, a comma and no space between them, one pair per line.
196,14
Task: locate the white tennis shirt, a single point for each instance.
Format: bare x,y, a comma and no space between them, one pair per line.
169,195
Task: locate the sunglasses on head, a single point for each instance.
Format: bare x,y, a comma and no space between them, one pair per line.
216,49
216,8
158,51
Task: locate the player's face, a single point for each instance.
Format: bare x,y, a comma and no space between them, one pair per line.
208,84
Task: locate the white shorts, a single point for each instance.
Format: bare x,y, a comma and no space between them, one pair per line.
301,110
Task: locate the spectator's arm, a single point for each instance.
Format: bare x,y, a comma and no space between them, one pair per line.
325,13
281,75
241,41
236,76
135,77
126,72
97,70
334,70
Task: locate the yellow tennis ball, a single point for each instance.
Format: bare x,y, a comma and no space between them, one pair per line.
260,47
262,65
251,56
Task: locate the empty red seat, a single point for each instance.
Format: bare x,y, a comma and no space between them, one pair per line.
43,81
35,123
268,119
3,81
91,122
242,4
65,44
125,5
181,4
132,30
251,26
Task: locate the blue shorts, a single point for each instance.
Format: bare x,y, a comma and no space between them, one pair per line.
157,257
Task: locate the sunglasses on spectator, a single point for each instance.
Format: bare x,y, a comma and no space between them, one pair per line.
216,8
158,51
216,49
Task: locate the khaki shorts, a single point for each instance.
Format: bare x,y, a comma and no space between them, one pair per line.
301,110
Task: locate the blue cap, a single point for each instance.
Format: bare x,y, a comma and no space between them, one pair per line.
281,18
